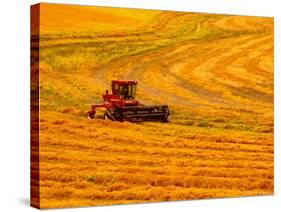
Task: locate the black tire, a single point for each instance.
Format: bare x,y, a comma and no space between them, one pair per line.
118,115
90,115
106,116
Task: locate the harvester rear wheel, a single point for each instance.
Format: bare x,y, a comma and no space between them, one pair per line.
90,115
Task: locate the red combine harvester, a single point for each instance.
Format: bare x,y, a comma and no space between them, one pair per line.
121,105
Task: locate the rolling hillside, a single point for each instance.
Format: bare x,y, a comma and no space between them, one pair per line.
214,71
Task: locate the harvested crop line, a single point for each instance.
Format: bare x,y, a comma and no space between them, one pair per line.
214,71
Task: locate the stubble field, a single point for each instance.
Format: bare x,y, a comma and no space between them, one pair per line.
214,71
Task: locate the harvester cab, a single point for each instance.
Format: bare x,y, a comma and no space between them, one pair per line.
121,104
124,89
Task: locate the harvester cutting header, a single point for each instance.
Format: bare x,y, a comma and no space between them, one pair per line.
121,105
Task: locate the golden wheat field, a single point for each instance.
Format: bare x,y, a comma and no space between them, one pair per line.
214,71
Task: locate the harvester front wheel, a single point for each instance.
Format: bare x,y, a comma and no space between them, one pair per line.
118,115
90,115
106,116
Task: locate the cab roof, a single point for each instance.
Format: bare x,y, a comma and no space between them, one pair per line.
124,82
